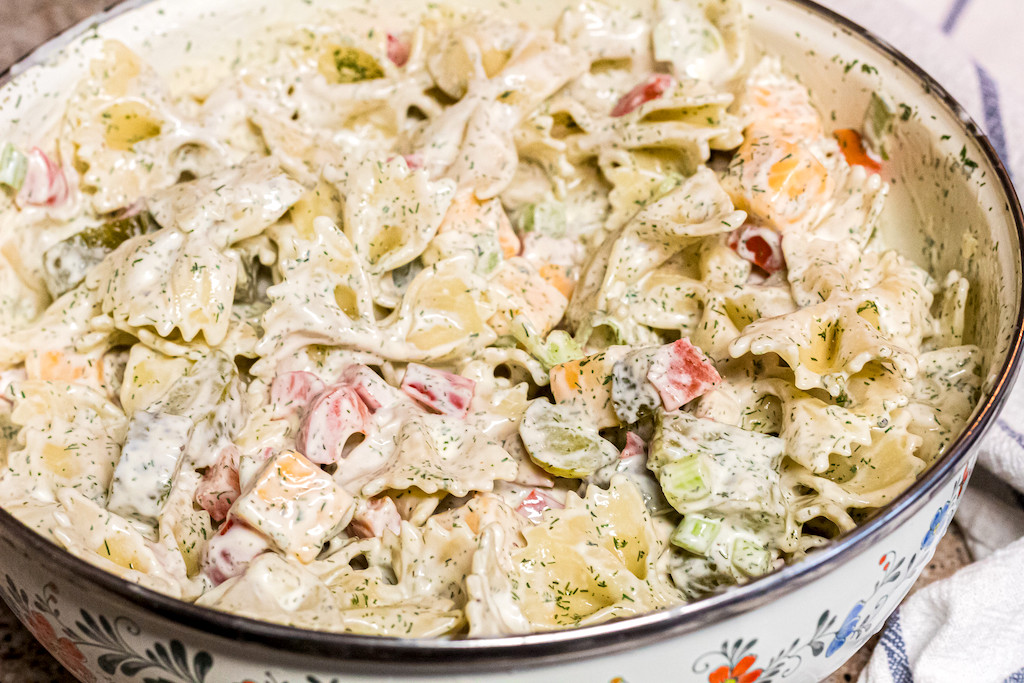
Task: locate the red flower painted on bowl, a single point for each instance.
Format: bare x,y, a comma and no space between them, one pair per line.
62,649
737,674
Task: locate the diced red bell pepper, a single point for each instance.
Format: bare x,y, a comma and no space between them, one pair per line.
413,161
441,391
760,245
219,487
45,182
373,516
398,50
291,392
651,89
635,446
371,389
333,416
231,550
534,505
681,372
852,145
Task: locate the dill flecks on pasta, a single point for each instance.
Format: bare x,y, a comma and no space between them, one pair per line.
461,327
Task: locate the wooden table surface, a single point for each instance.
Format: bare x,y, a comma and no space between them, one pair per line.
24,24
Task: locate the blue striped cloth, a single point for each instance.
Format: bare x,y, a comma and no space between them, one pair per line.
968,628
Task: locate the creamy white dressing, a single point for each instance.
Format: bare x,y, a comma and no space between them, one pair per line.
532,217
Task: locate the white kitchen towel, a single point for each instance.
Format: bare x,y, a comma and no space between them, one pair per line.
968,628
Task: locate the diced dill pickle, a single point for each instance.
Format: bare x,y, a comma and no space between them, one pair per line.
347,64
563,441
66,263
632,394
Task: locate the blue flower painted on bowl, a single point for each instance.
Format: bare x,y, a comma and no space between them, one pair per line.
846,630
933,529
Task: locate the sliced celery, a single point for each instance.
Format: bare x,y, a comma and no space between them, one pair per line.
558,348
546,218
683,481
750,558
13,167
695,533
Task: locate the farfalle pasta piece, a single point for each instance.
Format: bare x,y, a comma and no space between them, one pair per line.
168,281
890,292
444,313
437,452
857,204
704,41
391,212
70,438
603,32
824,345
127,132
23,295
686,122
72,322
637,178
945,392
559,582
872,476
229,205
815,430
324,299
280,590
728,310
492,609
694,210
409,587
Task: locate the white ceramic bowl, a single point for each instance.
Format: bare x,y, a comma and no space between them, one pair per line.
797,624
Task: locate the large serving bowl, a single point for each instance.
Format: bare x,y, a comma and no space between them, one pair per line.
951,206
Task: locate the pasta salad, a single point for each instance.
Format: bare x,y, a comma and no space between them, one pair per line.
462,327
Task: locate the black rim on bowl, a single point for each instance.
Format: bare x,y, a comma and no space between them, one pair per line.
395,655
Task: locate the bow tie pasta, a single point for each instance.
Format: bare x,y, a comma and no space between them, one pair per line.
461,327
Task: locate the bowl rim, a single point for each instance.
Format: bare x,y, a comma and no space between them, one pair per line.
381,655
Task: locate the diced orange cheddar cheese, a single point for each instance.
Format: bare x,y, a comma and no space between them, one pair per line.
777,181
529,295
295,504
64,366
587,383
507,237
558,277
783,109
468,214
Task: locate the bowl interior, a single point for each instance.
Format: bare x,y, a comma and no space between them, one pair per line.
950,206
